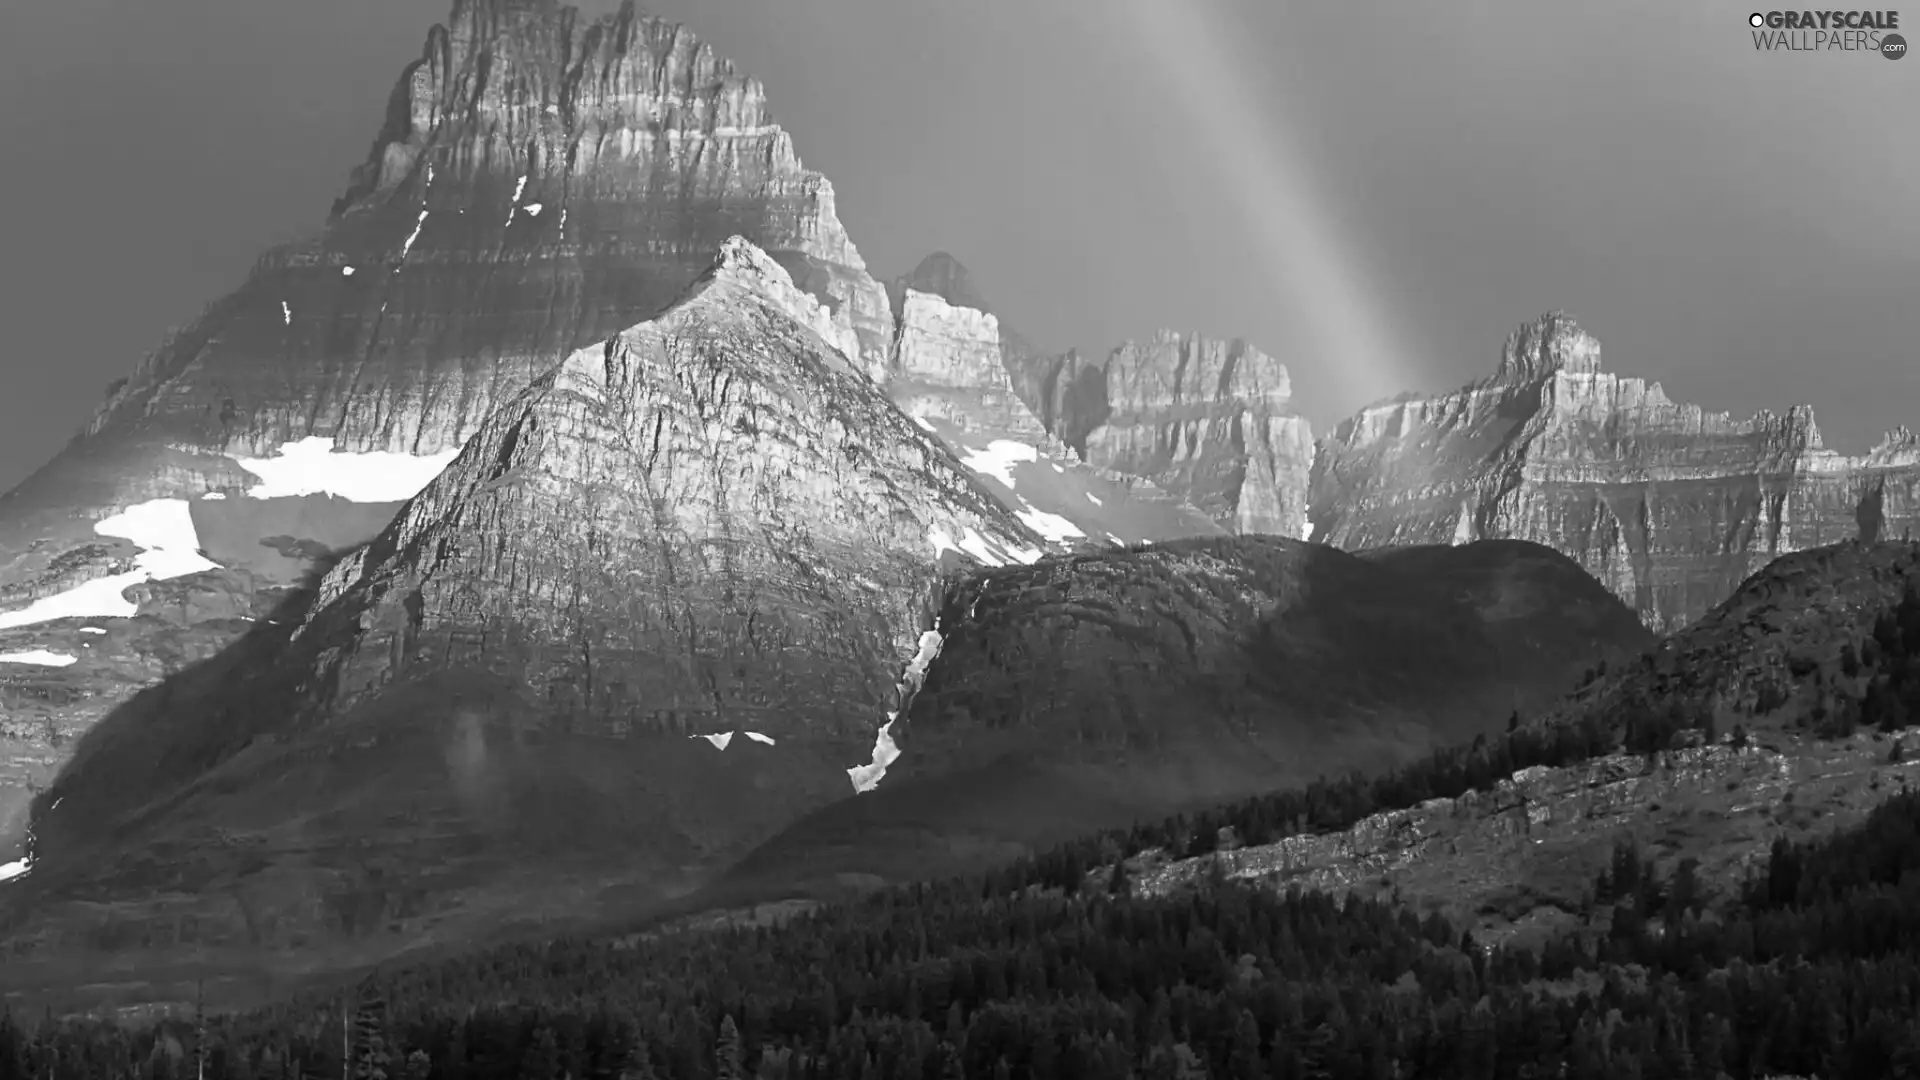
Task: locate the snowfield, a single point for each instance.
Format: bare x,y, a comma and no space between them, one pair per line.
38,656
311,466
170,548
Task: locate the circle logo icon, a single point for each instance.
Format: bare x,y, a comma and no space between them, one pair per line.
1893,46
1756,20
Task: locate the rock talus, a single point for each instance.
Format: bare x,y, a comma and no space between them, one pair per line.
1669,505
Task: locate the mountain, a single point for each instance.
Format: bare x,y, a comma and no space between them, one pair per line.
1093,690
1670,505
1167,471
541,182
1779,674
663,602
1206,419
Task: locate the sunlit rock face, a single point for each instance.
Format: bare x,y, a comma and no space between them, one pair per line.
1669,505
714,520
541,181
949,349
1206,419
952,370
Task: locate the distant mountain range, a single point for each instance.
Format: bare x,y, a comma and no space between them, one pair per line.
576,514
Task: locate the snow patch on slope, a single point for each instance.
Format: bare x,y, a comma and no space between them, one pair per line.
721,740
170,548
418,224
885,752
310,466
1056,529
999,458
42,657
985,551
519,186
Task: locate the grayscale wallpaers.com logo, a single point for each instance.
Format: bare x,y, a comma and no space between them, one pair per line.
1864,32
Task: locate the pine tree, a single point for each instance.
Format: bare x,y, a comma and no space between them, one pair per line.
729,1056
371,1059
542,1059
636,1063
200,1030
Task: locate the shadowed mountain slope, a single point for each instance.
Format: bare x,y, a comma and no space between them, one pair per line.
1092,690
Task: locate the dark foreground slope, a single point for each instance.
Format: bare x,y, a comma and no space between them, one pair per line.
658,607
1806,964
1096,690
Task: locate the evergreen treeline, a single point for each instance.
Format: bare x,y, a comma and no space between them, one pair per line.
1812,968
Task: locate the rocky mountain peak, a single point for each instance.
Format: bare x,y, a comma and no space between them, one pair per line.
1551,343
942,275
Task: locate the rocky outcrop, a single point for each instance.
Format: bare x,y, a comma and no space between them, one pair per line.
1208,420
1669,505
714,524
949,354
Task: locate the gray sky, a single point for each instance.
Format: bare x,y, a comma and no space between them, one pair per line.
1376,192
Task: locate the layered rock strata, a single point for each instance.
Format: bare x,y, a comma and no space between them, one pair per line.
1669,505
712,521
949,353
1206,419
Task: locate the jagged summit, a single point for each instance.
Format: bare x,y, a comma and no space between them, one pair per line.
1608,469
942,275
1551,343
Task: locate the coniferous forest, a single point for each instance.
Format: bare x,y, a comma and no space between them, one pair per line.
1811,967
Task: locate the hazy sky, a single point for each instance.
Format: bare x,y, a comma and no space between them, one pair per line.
1376,192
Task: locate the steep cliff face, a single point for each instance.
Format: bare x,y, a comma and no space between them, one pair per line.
1205,419
1669,505
663,602
542,181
